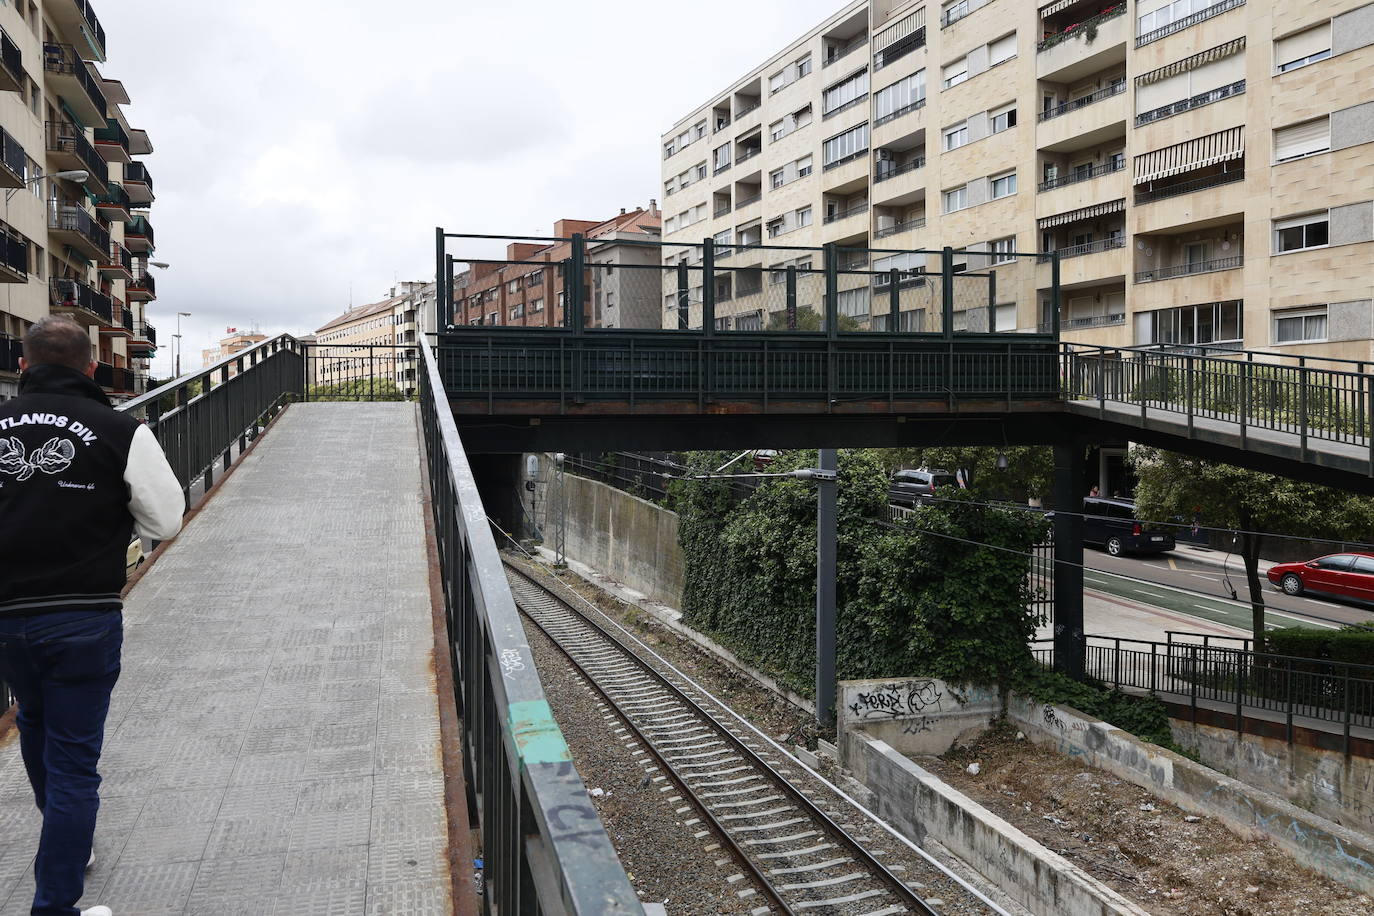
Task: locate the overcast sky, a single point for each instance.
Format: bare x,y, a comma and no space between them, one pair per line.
306,148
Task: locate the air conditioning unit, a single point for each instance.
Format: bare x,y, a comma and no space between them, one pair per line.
886,155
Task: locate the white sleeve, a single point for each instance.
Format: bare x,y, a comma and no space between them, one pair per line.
155,497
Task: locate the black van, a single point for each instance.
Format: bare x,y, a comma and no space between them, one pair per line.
1111,524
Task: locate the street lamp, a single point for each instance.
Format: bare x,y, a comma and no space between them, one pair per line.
80,176
177,336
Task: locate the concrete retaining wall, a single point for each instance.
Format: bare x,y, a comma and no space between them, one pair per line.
922,716
920,804
626,538
1322,845
1326,782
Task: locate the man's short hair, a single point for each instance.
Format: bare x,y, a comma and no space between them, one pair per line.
58,341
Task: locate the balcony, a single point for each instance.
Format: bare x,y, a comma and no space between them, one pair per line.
1197,101
139,144
836,53
1093,321
144,342
1059,111
68,149
1066,55
78,18
138,182
12,73
899,227
1163,191
1179,25
123,323
117,264
1188,270
114,378
1082,29
142,287
1087,264
114,204
14,162
11,348
69,222
138,235
842,215
68,74
1077,251
886,175
112,141
14,258
1077,175
84,304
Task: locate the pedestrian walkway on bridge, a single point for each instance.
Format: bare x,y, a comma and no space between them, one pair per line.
273,744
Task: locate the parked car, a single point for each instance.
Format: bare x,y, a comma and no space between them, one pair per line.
1112,525
1341,575
908,488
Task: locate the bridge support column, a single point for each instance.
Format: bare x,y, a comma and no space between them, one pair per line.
1069,642
825,589
499,480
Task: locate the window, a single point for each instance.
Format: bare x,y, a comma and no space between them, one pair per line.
956,199
722,239
1003,185
804,167
845,93
1002,250
1305,47
537,305
954,10
669,149
804,217
1305,139
513,287
721,157
1301,232
1169,13
775,227
789,74
1300,326
1002,118
804,66
701,171
670,224
1214,322
1003,49
795,121
699,131
777,179
901,97
956,73
845,146
853,302
517,311
956,136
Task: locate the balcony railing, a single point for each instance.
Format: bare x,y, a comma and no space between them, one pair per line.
1197,101
1094,321
63,59
721,210
70,217
72,294
11,348
896,228
93,26
1188,187
142,282
1076,251
755,106
918,163
847,213
66,137
1079,28
848,49
12,59
14,158
138,172
843,160
115,378
139,228
1185,270
1187,21
749,199
14,254
113,134
724,166
748,154
145,331
1108,92
904,110
120,257
1078,175
851,104
899,49
114,198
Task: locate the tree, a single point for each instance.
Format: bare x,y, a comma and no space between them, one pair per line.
360,389
808,319
1255,504
1029,474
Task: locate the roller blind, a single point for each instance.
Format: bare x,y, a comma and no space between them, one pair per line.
900,30
1190,154
1161,93
1217,73
954,69
1303,44
1002,48
1302,139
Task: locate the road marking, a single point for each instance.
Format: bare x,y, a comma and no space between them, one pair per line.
1151,594
1201,576
1172,564
1316,623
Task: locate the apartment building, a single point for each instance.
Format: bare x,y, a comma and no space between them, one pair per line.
373,341
233,341
1202,167
75,237
527,288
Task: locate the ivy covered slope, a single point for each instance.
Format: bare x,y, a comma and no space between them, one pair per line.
944,593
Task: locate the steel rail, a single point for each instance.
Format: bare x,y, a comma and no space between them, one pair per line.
862,856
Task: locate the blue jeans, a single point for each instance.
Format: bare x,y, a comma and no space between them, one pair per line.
61,668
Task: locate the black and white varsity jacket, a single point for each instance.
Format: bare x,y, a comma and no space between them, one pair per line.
76,476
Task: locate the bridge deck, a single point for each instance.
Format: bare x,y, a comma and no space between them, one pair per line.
273,744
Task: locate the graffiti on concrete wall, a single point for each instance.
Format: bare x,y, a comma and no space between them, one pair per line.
897,701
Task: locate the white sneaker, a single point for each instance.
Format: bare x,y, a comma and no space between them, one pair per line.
90,863
97,911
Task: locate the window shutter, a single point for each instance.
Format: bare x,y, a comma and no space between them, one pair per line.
1002,48
954,69
1303,44
1302,139
1218,73
1159,94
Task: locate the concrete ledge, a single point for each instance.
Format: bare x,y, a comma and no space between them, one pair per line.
1326,847
923,806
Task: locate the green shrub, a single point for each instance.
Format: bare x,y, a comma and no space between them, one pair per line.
1143,716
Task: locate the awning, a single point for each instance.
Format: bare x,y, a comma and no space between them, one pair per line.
1055,7
1190,154
1234,46
900,30
1073,216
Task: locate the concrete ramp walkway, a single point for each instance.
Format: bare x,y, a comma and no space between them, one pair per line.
274,741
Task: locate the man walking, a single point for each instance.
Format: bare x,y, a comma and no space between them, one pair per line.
75,478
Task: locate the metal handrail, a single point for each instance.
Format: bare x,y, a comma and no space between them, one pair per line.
12,58
60,58
1188,187
14,253
847,49
1075,177
1187,21
1074,251
895,228
137,171
1184,270
65,137
1064,108
910,166
846,214
538,823
1188,104
13,156
1080,28
1095,321
904,110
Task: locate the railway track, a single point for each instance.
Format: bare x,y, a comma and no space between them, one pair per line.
802,859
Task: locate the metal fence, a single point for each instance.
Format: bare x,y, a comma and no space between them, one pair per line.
1311,397
361,372
1233,679
545,848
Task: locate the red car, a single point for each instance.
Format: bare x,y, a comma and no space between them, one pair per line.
1344,575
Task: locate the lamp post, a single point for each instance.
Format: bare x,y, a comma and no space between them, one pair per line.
177,336
80,176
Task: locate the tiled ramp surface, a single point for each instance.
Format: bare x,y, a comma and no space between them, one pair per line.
273,746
